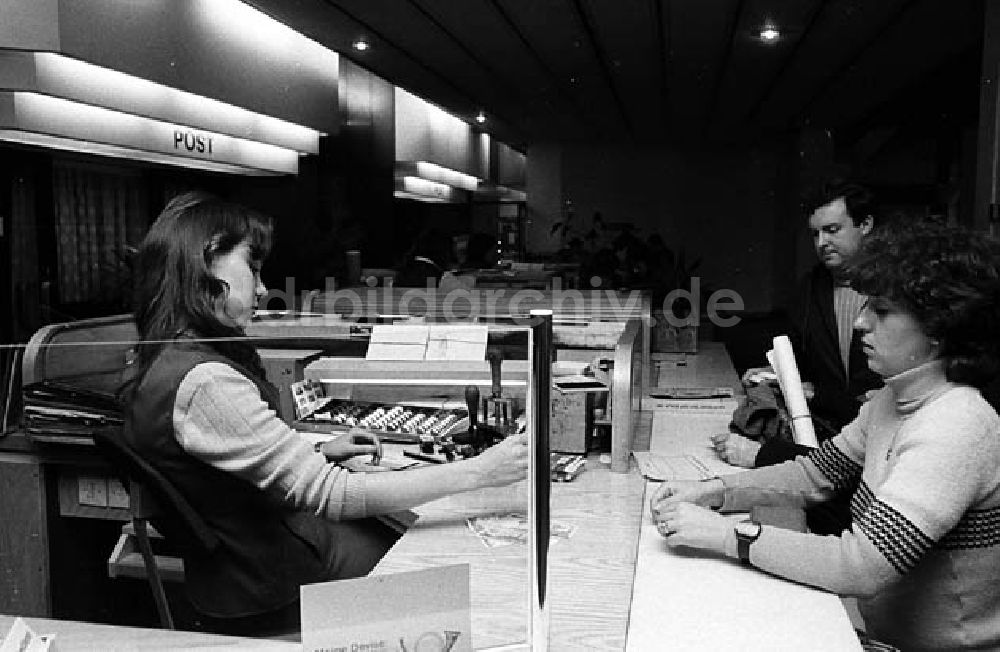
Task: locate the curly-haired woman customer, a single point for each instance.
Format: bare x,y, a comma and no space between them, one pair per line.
921,461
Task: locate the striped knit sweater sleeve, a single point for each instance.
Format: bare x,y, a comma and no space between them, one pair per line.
220,418
834,468
920,477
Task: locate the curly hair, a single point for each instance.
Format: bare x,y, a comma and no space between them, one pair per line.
948,278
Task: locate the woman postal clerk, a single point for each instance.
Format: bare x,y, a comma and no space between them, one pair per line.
200,411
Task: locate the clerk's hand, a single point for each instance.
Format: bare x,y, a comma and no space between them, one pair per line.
708,494
684,524
351,444
503,463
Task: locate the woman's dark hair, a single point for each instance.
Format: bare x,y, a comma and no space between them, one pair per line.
175,292
949,279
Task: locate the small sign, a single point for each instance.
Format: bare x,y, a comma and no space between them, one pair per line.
398,342
22,638
418,611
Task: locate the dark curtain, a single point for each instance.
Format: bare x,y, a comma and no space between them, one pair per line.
101,215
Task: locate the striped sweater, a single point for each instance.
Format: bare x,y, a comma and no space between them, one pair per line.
922,463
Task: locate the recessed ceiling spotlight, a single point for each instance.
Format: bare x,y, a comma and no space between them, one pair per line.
769,34
361,44
481,117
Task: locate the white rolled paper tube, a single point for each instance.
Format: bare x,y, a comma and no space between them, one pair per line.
795,398
774,365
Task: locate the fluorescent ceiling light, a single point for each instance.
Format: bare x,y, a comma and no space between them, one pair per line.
424,190
402,194
36,119
62,76
439,174
113,151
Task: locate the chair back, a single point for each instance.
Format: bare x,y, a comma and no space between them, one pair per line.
159,501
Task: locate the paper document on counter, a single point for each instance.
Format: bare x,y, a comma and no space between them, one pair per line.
397,342
457,343
655,466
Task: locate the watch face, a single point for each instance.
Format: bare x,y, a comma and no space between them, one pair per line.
748,529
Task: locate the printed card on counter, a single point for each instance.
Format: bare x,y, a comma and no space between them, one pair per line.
21,638
418,610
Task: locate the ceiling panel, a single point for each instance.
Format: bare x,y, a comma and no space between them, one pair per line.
528,87
555,31
644,70
629,43
754,64
844,29
926,37
697,44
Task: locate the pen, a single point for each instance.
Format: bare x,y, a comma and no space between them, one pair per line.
377,455
422,457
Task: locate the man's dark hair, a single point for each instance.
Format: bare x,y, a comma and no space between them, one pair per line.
948,278
860,201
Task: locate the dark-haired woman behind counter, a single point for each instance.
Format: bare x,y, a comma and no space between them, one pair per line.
200,411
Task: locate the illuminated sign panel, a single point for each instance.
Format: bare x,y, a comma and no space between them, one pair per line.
32,113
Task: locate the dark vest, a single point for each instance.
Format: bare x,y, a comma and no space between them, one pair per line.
817,350
267,550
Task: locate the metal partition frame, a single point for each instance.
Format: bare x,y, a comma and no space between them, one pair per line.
627,389
539,507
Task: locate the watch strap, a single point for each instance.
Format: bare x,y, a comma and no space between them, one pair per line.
743,541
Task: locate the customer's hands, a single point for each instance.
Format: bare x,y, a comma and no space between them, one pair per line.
736,449
758,376
503,463
684,524
707,494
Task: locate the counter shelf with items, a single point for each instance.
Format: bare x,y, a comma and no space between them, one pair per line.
397,422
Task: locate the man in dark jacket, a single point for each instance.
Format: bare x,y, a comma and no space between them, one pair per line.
827,348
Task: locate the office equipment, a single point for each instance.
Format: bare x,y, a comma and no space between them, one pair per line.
498,410
393,422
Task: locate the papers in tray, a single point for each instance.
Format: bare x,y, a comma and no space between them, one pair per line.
655,466
578,383
427,342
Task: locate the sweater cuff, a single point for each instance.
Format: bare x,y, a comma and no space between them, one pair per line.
355,491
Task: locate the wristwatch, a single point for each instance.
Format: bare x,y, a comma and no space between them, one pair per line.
747,531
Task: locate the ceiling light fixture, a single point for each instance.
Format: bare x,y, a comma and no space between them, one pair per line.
769,34
481,117
361,44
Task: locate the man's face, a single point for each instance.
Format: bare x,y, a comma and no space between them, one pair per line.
835,235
